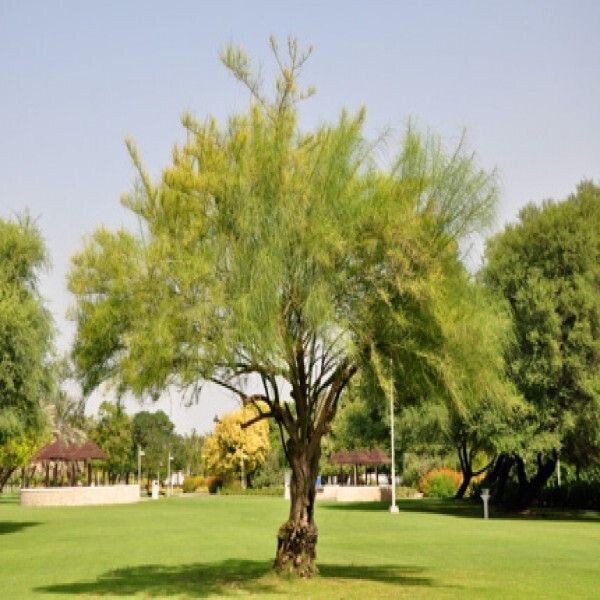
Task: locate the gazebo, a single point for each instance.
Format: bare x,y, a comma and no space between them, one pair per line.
361,457
59,451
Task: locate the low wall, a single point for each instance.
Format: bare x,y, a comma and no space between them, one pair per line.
80,496
355,493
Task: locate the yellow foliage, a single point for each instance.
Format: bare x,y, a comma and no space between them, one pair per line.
223,449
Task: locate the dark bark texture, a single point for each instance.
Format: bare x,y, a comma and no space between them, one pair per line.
297,537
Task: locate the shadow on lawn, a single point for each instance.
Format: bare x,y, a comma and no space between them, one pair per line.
14,526
468,509
200,580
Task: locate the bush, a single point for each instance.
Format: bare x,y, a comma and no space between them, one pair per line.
403,491
440,483
193,483
416,466
264,491
214,484
574,494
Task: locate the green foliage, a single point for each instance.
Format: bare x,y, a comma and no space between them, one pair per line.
415,466
190,449
193,483
406,492
259,236
113,433
25,343
271,472
547,266
234,489
153,432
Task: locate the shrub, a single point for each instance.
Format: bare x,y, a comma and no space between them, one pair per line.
416,466
403,491
264,491
192,483
440,483
573,494
214,484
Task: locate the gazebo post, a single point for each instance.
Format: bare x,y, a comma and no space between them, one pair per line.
89,472
47,473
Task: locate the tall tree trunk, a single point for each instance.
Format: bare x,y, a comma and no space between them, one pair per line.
297,537
5,473
466,469
464,485
529,490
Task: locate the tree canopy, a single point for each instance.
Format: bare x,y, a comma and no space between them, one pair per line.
547,266
231,443
25,343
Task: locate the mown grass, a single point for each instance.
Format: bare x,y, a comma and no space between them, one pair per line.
223,547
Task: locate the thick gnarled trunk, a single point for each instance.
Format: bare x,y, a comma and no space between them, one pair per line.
297,537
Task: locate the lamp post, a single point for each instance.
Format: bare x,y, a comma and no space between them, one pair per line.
169,478
243,475
393,506
140,454
485,496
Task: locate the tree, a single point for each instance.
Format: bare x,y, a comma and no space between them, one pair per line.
547,266
191,453
261,248
25,344
231,443
153,433
271,473
460,399
476,401
112,431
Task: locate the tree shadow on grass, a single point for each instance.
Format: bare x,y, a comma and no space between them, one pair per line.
467,508
200,580
14,526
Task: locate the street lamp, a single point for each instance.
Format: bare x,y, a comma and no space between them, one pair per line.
393,506
169,478
243,475
140,454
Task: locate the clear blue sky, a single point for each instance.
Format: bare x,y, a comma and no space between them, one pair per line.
523,79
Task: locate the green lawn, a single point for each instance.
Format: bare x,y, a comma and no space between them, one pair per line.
222,546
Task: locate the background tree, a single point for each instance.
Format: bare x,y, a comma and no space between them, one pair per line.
231,442
192,453
25,344
153,432
261,248
457,398
547,266
112,431
271,473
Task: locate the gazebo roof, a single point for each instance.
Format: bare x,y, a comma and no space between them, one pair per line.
58,450
360,456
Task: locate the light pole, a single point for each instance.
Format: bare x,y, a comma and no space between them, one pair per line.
140,454
169,478
393,506
243,475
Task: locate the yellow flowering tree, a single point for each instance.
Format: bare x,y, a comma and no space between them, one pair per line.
230,442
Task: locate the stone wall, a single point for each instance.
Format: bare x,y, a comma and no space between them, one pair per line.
358,493
80,496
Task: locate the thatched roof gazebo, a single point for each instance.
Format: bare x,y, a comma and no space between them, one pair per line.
59,451
360,457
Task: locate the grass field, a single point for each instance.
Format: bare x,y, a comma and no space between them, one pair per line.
222,546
